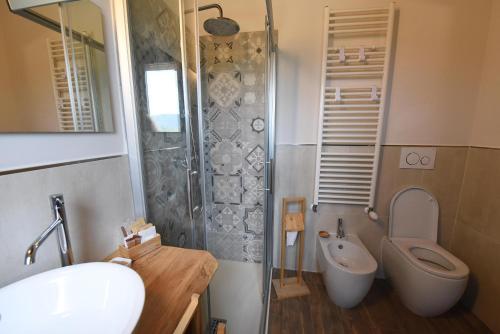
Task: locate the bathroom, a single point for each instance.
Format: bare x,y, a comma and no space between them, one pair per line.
253,88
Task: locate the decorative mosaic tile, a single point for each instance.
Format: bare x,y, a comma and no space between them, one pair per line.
258,124
251,133
226,189
249,79
227,219
253,248
224,88
257,50
256,158
254,220
224,124
249,98
253,190
226,157
233,73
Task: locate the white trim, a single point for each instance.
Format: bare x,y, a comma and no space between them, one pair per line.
129,106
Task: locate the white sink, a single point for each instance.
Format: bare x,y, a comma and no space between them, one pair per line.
84,298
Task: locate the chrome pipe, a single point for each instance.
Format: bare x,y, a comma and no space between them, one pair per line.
206,7
210,6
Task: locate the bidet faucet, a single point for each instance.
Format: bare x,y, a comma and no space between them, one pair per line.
340,229
60,223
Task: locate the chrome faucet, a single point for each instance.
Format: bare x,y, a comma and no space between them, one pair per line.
340,229
59,223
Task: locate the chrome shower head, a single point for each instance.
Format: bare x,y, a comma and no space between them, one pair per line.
221,26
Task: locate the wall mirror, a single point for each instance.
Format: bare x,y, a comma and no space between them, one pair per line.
53,70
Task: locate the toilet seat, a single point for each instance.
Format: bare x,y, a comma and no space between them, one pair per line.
414,213
432,258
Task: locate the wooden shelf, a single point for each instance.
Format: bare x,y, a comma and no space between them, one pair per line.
172,276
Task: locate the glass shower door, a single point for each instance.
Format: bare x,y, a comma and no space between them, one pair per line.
270,98
165,88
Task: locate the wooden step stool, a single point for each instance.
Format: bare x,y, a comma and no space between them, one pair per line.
292,222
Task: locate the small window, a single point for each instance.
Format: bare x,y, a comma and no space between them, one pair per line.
162,89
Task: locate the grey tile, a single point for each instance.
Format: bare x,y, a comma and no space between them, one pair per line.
234,72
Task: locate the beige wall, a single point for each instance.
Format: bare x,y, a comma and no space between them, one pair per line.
487,120
27,74
98,199
476,239
444,182
435,78
85,17
7,96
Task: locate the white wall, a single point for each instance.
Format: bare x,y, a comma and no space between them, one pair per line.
487,120
28,150
439,48
98,200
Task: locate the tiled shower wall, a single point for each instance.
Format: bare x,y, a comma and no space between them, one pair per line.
233,70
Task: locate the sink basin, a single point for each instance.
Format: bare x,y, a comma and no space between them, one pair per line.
84,298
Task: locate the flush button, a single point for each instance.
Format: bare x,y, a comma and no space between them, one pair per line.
412,159
425,160
417,157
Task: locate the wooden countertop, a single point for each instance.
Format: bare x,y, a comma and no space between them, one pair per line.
171,276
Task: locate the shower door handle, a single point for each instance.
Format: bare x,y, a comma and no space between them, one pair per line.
191,208
270,172
189,193
195,207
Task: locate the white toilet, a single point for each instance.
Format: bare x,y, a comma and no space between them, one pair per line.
428,279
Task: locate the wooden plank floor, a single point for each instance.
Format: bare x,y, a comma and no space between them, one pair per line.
380,312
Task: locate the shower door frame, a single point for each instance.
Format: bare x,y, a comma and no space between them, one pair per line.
131,117
270,160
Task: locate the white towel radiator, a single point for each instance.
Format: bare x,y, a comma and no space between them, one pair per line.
357,48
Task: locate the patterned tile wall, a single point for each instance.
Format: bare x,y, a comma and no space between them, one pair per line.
233,70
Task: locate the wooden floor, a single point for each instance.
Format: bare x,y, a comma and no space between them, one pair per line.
380,312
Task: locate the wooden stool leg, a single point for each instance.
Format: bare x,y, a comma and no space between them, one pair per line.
283,242
300,252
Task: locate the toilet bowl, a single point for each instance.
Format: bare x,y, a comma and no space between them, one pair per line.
428,279
348,269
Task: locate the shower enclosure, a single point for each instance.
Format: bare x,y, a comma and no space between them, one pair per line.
199,108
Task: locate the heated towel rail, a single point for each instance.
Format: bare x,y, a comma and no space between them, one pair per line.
71,118
357,49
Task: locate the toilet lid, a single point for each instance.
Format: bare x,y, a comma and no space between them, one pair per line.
414,213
